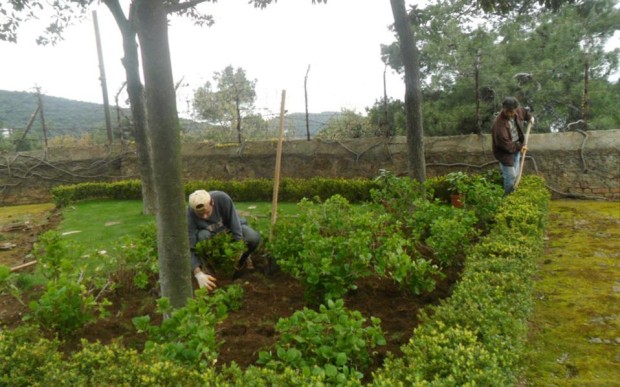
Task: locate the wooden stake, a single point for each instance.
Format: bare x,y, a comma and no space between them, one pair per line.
23,266
276,179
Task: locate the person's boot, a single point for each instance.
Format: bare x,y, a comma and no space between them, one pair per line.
239,270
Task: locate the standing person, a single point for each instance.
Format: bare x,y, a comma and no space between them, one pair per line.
210,213
507,134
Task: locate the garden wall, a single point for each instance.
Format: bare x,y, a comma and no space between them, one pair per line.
575,164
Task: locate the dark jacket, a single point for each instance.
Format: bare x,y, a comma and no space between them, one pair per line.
503,146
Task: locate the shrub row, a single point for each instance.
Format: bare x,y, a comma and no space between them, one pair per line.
476,336
290,190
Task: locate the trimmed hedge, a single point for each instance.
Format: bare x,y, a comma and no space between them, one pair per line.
290,190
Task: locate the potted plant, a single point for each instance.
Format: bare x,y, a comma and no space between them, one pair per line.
457,186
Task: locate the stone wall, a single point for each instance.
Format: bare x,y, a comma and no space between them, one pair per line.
574,164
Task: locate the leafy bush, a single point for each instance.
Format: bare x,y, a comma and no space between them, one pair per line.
188,335
332,342
133,261
221,252
327,247
66,305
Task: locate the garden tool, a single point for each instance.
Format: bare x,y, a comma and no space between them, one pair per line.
523,152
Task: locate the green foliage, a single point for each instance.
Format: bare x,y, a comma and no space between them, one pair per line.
10,283
132,262
224,104
291,190
348,124
476,336
71,299
389,119
221,252
540,60
332,342
64,195
188,335
23,353
54,255
66,305
327,247
62,116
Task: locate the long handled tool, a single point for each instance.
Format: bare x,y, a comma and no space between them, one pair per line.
523,152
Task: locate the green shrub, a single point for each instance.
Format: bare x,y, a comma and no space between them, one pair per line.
66,305
332,342
221,252
23,353
188,335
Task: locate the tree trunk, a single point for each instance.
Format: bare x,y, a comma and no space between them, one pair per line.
135,91
413,96
165,141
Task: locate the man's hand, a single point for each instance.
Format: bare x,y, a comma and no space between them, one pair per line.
205,280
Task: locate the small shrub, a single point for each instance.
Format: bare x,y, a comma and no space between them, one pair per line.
332,342
188,335
221,252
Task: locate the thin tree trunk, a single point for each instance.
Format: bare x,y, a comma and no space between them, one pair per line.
135,91
164,133
413,95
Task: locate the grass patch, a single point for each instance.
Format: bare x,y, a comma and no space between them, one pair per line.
101,223
575,325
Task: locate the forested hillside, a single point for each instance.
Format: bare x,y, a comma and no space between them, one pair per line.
68,117
62,116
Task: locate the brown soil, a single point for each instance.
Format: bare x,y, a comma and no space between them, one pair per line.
267,297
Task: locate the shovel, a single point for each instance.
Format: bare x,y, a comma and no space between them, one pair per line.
523,152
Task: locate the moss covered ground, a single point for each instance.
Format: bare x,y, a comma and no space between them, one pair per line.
575,325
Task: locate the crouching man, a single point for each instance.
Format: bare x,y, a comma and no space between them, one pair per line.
210,213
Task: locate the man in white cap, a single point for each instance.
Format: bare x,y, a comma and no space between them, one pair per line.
208,214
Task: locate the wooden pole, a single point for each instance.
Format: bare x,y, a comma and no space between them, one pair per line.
523,152
104,84
306,98
32,118
40,101
276,179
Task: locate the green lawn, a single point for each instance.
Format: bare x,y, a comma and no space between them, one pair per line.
99,224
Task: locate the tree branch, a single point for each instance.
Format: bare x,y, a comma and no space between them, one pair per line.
183,6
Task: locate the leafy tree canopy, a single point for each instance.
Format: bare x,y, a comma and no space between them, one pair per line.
538,56
224,101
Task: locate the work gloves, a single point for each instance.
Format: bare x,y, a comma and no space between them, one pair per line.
205,280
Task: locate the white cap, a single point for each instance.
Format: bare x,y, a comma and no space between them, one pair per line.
199,200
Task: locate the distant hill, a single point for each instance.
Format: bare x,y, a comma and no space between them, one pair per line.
62,116
295,123
69,117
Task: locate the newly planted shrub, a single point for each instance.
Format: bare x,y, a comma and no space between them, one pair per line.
188,335
221,252
327,247
332,342
67,304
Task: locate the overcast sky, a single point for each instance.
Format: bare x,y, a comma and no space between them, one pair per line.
340,40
